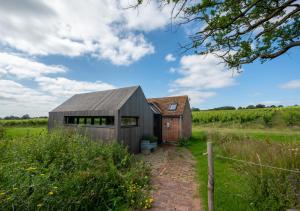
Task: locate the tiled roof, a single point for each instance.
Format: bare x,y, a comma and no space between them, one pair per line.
164,103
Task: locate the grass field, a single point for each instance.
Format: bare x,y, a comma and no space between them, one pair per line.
230,187
283,135
233,183
19,132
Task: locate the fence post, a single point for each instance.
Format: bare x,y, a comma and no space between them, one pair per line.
210,184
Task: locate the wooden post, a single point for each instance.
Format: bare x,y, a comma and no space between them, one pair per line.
210,183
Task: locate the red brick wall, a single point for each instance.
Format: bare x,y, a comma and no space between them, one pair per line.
170,129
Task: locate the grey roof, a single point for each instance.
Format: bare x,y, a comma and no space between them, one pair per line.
97,101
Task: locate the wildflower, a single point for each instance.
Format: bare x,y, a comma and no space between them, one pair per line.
31,169
39,205
50,193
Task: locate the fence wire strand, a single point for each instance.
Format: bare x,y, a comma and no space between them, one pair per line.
256,164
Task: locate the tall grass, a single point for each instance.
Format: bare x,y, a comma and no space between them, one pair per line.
67,171
270,189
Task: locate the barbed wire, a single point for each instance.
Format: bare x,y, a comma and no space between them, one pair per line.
257,164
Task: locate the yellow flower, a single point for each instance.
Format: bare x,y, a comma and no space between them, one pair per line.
50,193
39,205
31,169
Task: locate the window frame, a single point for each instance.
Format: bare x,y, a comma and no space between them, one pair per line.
81,121
130,126
172,104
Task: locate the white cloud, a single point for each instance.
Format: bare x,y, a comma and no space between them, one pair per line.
46,92
65,87
170,58
203,72
17,99
199,75
102,28
293,84
197,97
21,67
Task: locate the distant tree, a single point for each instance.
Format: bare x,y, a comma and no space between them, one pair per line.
195,109
260,106
295,105
250,107
273,106
11,117
224,108
240,108
26,116
239,32
280,106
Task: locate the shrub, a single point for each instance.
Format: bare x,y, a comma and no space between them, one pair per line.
150,138
183,142
66,171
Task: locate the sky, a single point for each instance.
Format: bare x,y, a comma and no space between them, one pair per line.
51,50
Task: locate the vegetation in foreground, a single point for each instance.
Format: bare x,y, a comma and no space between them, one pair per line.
241,186
287,117
66,171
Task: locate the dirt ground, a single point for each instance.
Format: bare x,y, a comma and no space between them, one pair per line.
174,179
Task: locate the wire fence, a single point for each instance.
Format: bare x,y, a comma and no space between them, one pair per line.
258,164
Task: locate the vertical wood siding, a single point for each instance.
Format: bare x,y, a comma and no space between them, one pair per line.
136,106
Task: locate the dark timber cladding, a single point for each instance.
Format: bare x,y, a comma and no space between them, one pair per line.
122,115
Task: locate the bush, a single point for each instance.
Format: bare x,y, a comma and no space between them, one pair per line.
183,142
66,171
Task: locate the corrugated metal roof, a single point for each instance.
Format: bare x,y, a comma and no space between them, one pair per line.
164,104
95,101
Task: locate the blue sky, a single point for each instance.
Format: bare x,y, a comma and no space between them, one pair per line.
48,52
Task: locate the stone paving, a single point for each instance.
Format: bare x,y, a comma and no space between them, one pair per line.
174,179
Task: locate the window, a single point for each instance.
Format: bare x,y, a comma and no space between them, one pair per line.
172,107
97,121
129,121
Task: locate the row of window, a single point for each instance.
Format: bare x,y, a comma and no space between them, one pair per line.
100,121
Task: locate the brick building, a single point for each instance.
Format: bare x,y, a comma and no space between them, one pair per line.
172,118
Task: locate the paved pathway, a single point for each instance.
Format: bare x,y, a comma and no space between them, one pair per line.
173,178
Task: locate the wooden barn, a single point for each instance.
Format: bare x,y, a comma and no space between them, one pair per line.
172,118
123,115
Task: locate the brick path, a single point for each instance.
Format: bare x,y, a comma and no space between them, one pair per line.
173,178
